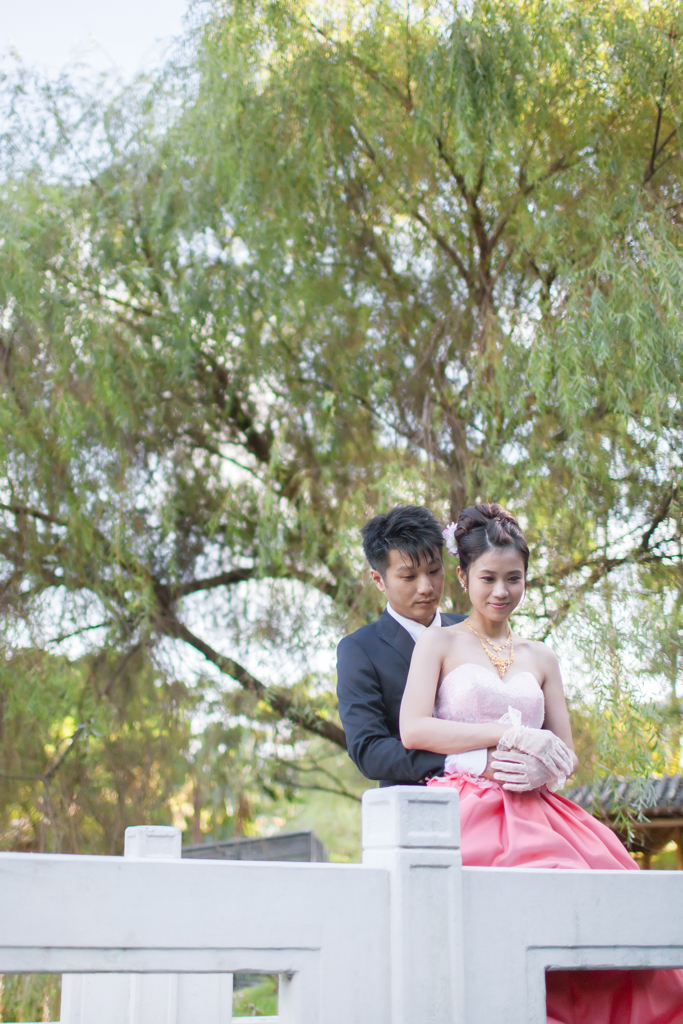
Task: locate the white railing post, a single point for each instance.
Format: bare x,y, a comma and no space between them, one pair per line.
414,833
147,998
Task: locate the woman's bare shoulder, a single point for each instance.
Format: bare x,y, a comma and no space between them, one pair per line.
544,656
439,642
432,639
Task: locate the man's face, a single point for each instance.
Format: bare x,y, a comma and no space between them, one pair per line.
414,591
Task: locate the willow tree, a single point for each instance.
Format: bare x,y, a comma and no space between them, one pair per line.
346,255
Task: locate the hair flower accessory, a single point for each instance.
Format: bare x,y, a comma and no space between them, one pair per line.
449,539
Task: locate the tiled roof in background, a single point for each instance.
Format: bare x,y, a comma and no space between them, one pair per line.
658,797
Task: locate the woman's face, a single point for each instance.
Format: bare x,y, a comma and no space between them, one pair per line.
496,582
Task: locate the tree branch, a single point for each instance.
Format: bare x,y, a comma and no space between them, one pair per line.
339,787
603,566
52,770
34,513
130,653
96,293
393,90
441,242
560,164
658,148
56,765
650,169
279,699
450,164
661,514
223,579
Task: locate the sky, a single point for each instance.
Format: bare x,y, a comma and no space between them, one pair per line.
126,35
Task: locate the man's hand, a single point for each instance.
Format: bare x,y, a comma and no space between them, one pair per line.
490,770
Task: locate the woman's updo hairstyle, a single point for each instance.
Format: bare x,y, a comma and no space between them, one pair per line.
482,527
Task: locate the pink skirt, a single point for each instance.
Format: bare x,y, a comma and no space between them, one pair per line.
543,830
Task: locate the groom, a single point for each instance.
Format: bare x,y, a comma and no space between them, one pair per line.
405,550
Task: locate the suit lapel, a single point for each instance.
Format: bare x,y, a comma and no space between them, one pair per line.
392,632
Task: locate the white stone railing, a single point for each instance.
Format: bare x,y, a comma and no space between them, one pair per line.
408,937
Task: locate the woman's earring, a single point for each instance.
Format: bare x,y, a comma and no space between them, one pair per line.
463,585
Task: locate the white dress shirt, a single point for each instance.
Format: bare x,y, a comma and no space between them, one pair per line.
471,761
415,629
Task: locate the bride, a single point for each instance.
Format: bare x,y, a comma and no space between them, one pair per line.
494,703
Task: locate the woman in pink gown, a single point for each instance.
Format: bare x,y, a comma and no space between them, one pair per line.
494,703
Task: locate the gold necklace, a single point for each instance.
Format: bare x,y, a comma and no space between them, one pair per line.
502,664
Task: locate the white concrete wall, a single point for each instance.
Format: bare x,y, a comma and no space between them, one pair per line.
409,937
324,926
147,998
525,921
414,834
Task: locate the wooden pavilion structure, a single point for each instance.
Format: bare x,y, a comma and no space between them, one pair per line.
663,812
285,846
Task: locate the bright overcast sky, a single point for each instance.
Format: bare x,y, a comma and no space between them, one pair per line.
130,35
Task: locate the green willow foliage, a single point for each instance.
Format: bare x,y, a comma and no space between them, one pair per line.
91,746
344,255
29,996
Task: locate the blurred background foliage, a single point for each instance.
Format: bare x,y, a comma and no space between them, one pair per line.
29,997
333,257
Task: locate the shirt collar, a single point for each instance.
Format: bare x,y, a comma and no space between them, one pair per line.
414,628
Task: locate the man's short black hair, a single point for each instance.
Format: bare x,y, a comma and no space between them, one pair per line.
411,529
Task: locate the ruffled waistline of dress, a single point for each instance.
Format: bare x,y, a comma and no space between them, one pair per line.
451,778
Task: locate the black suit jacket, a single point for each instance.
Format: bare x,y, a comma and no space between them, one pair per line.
372,669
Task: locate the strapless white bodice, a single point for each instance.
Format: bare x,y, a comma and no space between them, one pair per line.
473,693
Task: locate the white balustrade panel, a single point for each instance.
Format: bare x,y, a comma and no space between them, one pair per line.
147,998
520,922
322,927
408,937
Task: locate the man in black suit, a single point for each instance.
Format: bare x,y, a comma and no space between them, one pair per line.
405,550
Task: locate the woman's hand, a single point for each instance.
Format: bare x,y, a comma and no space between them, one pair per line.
522,773
543,744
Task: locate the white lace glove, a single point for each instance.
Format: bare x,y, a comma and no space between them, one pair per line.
541,743
561,779
522,773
